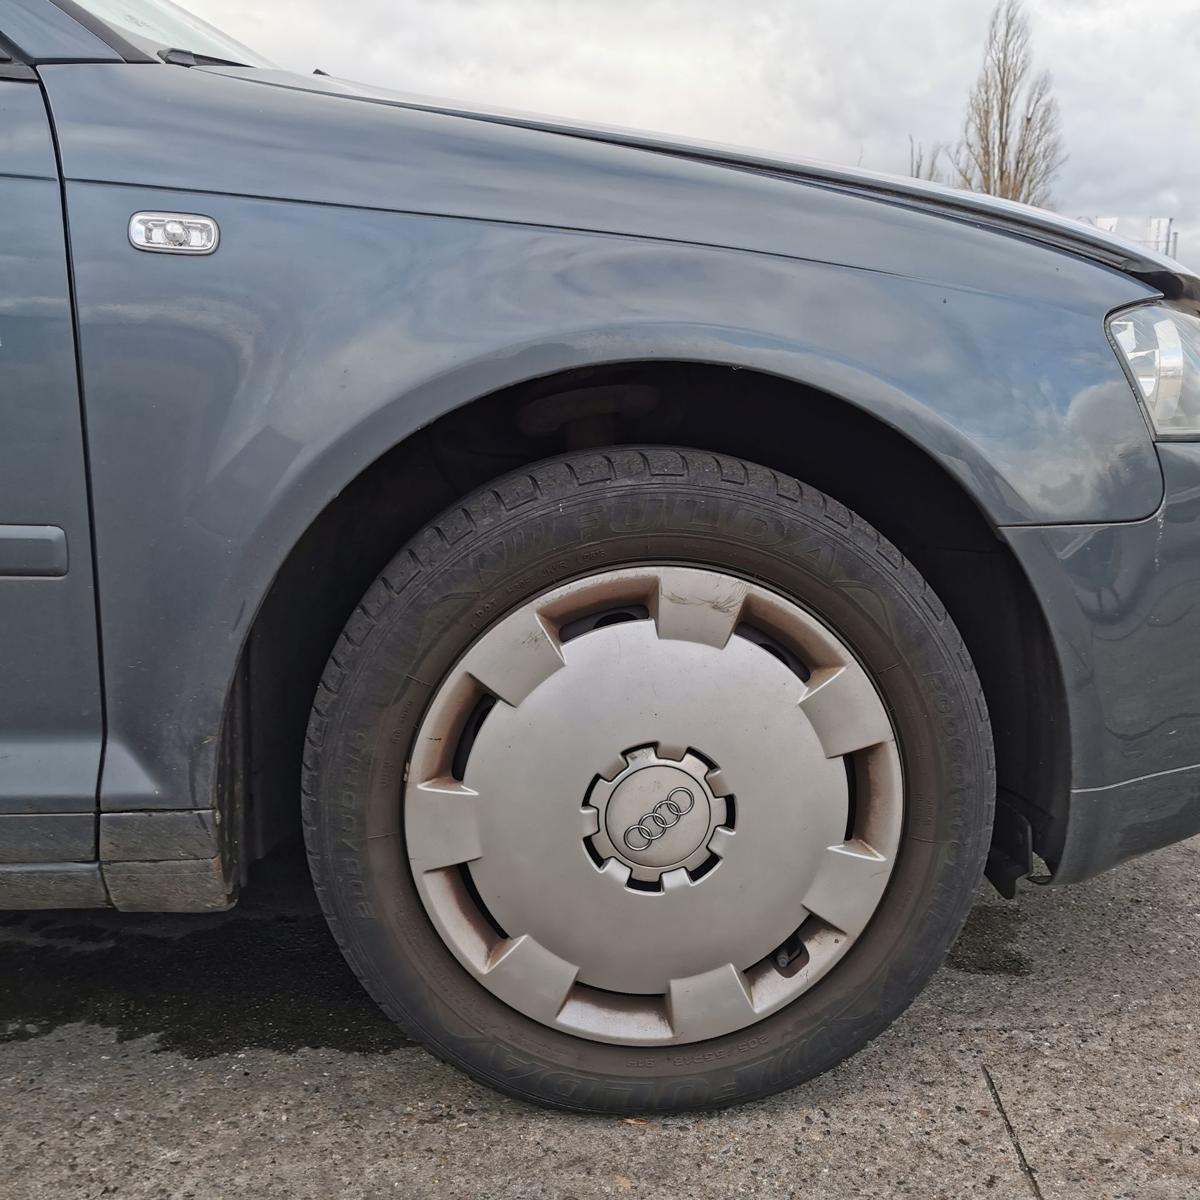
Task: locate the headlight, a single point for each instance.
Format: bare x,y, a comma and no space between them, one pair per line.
1161,347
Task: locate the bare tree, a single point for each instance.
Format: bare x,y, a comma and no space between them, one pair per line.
925,164
1011,144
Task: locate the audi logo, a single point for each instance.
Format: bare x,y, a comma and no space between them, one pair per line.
663,816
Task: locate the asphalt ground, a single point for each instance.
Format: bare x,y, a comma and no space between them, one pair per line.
233,1055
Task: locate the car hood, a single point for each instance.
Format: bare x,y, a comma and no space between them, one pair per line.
1165,274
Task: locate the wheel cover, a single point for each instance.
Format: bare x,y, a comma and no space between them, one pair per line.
673,819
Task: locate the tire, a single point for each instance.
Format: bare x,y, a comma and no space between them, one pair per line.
418,935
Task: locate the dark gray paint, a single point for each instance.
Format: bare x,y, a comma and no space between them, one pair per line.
1126,603
400,157
1125,614
258,405
50,721
381,264
1111,824
262,402
979,208
994,302
39,771
33,550
26,148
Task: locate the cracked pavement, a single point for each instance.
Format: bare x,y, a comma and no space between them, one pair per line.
1054,1056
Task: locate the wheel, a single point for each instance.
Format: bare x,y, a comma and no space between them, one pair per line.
647,780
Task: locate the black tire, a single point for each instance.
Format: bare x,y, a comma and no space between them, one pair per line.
563,518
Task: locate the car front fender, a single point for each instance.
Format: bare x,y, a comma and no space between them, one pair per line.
230,398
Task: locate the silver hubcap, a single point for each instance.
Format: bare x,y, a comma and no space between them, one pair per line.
654,805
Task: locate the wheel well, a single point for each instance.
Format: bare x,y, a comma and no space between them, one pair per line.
806,433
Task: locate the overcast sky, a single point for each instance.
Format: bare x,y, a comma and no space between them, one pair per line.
846,82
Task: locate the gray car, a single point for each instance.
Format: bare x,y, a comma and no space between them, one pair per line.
659,581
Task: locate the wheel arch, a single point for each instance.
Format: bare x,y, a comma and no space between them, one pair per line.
792,426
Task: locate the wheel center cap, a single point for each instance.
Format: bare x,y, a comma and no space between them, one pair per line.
656,817
657,814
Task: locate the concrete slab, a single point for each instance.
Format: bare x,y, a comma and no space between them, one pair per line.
233,1054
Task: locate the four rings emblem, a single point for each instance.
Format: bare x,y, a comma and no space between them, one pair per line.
664,815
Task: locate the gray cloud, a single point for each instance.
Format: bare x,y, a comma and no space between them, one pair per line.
847,82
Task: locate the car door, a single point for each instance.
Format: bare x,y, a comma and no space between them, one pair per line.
50,710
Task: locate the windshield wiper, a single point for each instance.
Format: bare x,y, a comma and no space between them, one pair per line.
188,58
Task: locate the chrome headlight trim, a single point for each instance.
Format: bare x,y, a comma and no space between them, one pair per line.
1159,347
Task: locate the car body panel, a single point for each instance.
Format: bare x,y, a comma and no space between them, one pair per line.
50,709
997,213
400,160
397,158
257,404
382,264
1125,601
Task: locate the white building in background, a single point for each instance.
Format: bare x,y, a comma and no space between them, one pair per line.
1155,233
